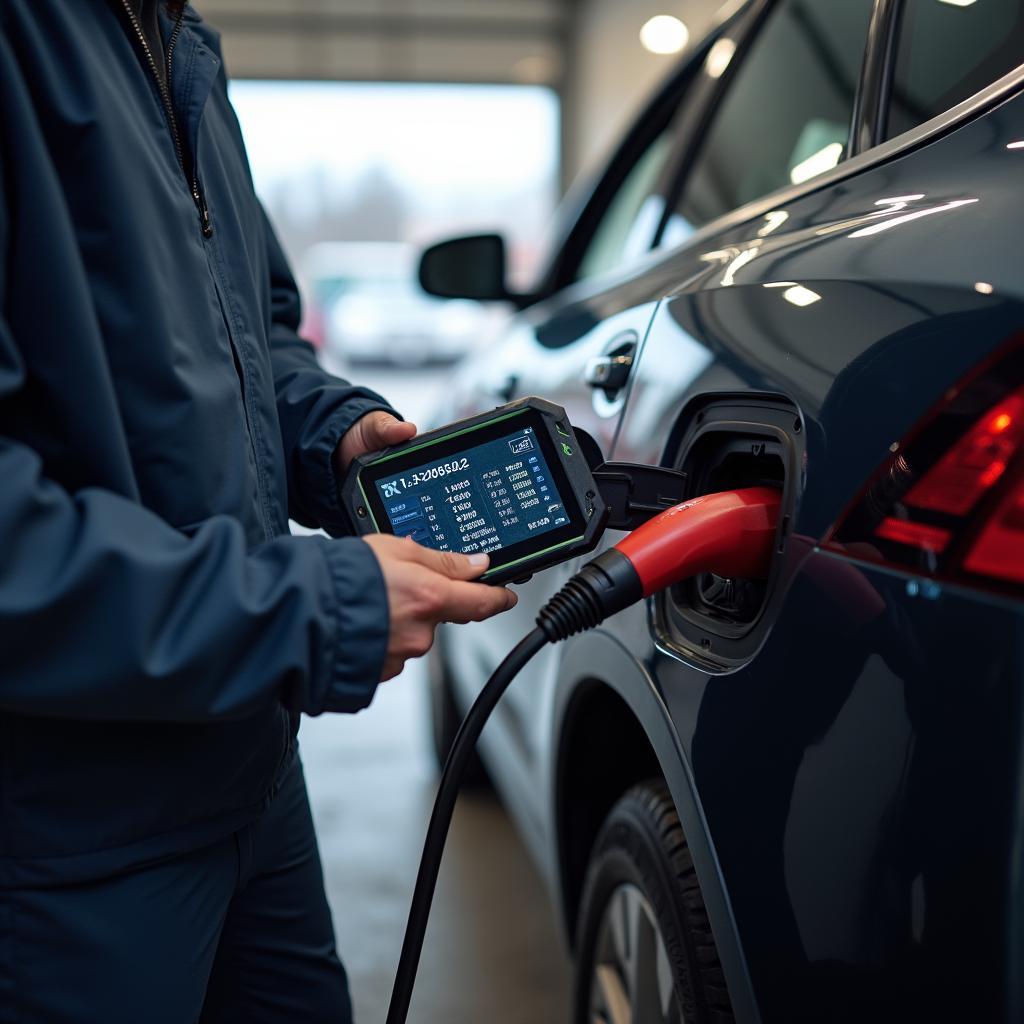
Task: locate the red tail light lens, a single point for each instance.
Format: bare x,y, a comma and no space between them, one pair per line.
950,500
956,482
998,551
918,535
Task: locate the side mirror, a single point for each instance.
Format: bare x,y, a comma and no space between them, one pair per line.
470,267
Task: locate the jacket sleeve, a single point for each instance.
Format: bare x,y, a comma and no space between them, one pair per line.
107,612
315,408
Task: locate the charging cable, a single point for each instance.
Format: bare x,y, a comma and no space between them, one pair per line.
731,533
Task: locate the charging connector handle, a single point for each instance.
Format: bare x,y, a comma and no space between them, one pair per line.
731,533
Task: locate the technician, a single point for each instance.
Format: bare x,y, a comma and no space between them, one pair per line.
160,631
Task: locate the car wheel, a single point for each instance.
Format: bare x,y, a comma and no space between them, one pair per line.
645,953
445,718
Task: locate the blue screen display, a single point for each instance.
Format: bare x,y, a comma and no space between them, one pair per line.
482,499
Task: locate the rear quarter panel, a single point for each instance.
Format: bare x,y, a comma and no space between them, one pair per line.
858,778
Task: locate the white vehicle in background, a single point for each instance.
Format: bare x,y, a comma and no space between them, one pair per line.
371,308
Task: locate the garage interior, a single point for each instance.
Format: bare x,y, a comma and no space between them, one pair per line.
636,388
575,47
494,950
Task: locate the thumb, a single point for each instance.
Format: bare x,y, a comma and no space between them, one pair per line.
448,563
381,429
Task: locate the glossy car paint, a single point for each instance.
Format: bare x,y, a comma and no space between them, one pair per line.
859,777
852,795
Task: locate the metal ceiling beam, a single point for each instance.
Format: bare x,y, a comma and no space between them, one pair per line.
384,25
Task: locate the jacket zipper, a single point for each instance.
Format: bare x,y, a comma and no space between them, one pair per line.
199,199
163,87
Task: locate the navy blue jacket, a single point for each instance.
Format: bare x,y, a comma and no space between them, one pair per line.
159,421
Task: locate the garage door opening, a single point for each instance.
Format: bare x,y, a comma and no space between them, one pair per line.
357,177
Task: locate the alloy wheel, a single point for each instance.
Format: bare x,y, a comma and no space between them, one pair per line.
632,980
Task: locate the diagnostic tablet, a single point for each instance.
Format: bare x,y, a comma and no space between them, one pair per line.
513,483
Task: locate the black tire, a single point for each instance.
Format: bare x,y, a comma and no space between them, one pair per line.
640,871
445,718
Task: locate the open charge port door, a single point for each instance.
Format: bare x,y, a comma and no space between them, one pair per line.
721,443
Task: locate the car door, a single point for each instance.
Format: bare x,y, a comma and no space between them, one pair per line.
849,753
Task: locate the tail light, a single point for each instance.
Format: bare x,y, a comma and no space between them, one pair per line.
998,551
949,501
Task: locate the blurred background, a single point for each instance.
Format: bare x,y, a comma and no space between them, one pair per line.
375,127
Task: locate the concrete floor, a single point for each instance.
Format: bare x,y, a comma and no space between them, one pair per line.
492,952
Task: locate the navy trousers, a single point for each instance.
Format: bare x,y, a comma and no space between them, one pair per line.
236,933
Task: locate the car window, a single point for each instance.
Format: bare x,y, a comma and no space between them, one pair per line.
627,227
948,51
785,116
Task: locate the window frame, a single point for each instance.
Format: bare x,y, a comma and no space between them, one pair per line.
872,101
866,148
667,112
745,34
885,75
876,67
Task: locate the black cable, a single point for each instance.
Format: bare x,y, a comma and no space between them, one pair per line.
602,587
441,817
668,548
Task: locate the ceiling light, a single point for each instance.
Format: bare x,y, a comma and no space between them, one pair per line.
817,163
904,218
719,57
900,201
1019,144
798,295
774,219
983,288
958,3
664,34
738,262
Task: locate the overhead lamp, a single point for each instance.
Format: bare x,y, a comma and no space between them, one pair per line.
664,33
900,201
798,295
817,163
958,3
772,220
904,218
719,57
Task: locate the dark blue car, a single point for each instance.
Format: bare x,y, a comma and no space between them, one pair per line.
800,798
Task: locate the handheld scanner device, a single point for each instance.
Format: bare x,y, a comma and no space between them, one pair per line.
515,483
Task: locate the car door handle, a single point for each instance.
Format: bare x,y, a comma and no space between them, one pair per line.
610,372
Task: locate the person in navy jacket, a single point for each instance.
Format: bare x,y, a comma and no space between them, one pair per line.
160,630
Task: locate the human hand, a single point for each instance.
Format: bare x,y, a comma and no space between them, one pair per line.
370,433
426,587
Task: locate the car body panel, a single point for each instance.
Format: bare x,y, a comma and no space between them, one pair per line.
616,653
771,745
850,794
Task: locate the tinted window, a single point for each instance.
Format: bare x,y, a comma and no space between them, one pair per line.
948,50
627,226
785,116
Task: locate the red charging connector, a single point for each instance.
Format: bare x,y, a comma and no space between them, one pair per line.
730,533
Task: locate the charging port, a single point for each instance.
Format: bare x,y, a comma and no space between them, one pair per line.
723,462
724,445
